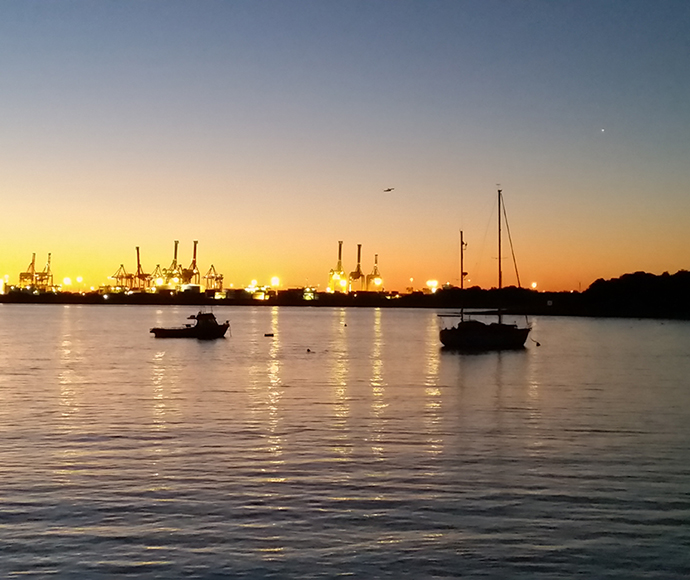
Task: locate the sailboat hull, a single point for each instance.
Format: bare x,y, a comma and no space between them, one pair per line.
475,335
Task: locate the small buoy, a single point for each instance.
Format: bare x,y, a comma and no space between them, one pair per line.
268,334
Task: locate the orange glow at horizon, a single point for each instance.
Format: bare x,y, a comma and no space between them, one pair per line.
564,260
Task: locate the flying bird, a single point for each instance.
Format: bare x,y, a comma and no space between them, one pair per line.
389,189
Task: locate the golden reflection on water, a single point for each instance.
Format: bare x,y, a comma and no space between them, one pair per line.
66,380
157,380
266,391
275,391
433,395
339,376
70,381
70,394
378,390
158,411
164,409
534,405
165,383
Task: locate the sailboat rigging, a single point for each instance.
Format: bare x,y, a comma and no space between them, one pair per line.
477,335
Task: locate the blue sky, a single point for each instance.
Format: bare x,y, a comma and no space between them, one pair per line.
269,129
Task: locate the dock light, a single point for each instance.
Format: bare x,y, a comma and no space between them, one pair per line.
433,285
159,281
67,281
275,281
534,285
343,283
378,281
79,279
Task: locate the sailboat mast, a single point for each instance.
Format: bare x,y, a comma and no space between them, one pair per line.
462,262
462,274
500,270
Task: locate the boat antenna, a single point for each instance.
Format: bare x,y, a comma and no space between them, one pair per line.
463,245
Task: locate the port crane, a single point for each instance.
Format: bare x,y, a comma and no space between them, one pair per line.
214,281
374,280
191,275
44,279
168,279
122,278
336,277
28,279
357,273
173,274
141,281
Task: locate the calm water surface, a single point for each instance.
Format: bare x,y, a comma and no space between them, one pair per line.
348,444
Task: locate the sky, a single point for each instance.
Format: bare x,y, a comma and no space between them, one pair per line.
268,130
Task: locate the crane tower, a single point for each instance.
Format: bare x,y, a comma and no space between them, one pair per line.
28,279
357,273
214,281
141,280
374,280
336,278
44,279
123,280
191,275
173,274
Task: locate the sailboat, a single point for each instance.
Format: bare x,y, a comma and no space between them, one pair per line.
477,335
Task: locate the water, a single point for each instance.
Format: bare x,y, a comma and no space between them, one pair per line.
348,444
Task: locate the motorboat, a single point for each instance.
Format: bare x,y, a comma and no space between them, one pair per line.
205,328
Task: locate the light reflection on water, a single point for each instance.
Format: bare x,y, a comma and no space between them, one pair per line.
339,382
379,403
432,416
347,443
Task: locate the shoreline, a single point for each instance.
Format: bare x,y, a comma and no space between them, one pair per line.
513,301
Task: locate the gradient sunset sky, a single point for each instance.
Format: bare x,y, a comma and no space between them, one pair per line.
268,130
